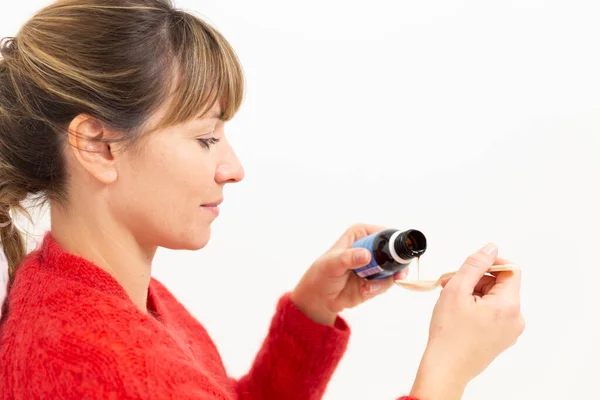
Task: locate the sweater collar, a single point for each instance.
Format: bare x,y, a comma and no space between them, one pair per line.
78,269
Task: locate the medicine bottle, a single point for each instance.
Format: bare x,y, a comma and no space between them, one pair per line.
391,251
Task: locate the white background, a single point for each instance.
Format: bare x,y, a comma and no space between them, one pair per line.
473,121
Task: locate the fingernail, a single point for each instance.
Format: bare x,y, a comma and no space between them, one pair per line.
489,249
374,287
360,256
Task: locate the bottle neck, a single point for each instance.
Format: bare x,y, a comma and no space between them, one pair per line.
406,246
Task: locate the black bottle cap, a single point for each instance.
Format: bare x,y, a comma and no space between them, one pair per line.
410,244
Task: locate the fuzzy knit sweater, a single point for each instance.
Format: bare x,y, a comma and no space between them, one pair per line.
69,331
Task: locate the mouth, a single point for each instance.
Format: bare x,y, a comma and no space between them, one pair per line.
214,204
213,207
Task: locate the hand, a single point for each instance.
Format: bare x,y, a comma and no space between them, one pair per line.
476,318
329,286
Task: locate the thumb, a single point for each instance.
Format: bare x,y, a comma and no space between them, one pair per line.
473,269
337,262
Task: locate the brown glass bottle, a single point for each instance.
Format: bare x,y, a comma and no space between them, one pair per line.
391,250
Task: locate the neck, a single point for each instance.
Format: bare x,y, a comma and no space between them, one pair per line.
96,237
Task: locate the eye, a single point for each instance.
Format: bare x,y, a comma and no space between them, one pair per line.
208,142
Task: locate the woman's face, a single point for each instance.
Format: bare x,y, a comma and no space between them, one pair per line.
167,192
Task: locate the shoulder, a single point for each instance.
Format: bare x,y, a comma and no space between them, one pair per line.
49,308
51,314
79,338
62,337
39,300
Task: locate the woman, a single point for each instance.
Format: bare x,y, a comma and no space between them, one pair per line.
113,112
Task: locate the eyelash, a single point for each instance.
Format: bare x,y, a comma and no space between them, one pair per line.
208,142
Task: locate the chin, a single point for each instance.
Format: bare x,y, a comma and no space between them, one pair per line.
199,243
187,240
199,240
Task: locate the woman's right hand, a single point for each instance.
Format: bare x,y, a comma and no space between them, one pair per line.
476,318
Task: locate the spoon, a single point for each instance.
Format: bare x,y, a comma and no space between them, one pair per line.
423,285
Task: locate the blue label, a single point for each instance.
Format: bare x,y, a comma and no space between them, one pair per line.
372,268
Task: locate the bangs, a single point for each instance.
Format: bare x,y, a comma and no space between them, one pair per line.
208,72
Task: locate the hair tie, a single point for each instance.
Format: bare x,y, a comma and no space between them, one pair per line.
8,46
10,220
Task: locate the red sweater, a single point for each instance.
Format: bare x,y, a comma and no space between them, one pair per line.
71,332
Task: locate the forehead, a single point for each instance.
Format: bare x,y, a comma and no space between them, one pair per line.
214,113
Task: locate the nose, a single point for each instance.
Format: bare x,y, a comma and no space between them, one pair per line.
230,170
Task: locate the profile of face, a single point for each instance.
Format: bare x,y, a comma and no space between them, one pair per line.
166,190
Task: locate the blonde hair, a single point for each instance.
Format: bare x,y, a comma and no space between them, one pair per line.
113,60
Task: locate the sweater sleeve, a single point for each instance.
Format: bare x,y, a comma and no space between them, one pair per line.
297,359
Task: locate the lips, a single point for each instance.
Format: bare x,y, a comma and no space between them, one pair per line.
213,207
214,204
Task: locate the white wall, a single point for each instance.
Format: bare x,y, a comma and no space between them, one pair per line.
473,121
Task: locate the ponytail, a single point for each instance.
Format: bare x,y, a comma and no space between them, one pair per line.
12,241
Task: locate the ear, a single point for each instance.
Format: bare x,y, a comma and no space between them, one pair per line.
88,141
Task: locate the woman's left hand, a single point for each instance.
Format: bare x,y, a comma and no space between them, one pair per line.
330,285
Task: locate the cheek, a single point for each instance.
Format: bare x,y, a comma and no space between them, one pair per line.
188,174
158,196
185,184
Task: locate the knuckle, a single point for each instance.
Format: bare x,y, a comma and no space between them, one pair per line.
353,229
476,261
347,258
358,226
339,259
363,229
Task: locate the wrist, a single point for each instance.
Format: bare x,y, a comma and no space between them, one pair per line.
313,310
438,379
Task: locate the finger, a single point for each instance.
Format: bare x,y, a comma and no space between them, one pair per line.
355,232
481,288
508,283
502,261
485,284
401,275
445,281
374,287
338,262
474,268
